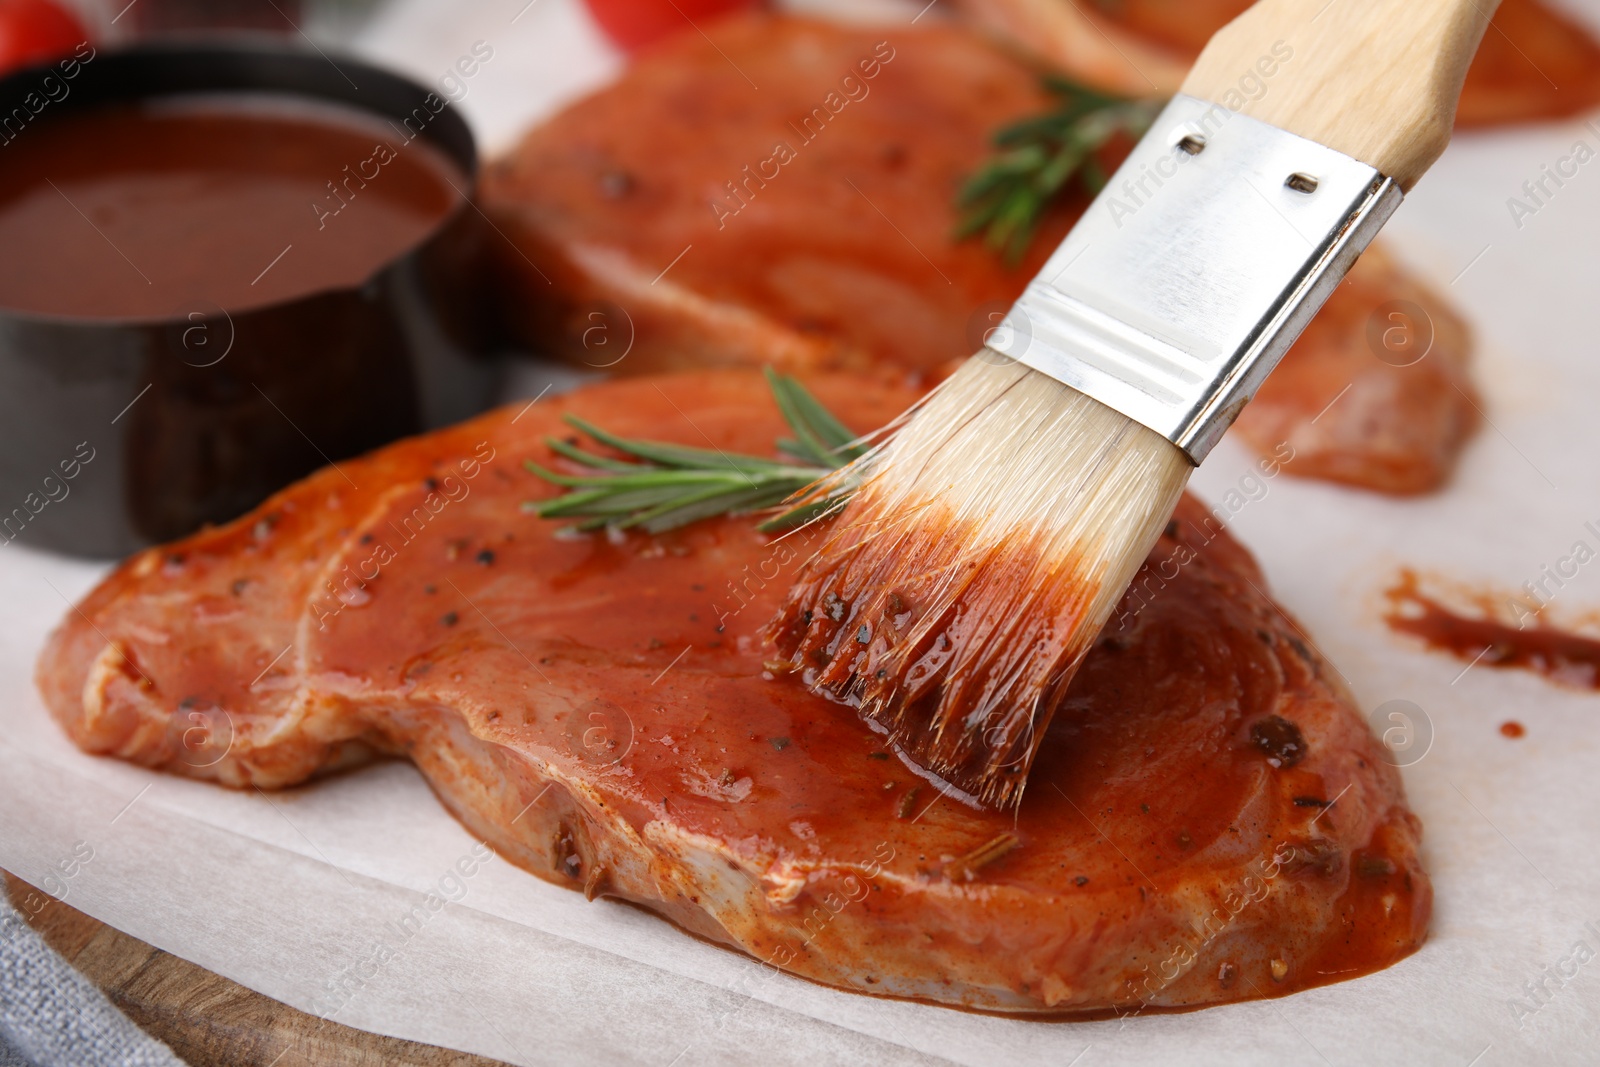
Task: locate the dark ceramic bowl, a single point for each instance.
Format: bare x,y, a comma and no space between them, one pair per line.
118,434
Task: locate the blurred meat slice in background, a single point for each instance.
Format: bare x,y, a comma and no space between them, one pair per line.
1535,62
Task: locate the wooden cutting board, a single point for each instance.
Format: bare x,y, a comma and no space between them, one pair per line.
205,1018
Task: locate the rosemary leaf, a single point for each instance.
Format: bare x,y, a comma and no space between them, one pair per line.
823,439
673,485
684,512
588,459
654,478
1039,157
669,455
801,514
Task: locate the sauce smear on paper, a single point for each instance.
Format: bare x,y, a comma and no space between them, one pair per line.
1485,640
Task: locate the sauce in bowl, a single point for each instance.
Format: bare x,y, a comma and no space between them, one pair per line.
134,211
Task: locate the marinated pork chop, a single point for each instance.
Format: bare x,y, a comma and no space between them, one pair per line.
1376,393
806,224
686,219
1209,818
1534,62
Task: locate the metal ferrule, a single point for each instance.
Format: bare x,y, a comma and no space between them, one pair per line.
1195,269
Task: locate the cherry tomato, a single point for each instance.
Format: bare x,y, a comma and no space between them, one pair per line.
632,24
36,31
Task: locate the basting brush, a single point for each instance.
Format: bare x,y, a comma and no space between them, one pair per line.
991,536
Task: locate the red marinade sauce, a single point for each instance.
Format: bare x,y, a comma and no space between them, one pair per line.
143,210
1512,729
1560,655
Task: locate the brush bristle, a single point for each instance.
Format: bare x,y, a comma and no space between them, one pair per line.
991,538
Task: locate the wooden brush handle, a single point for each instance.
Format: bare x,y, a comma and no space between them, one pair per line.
1374,79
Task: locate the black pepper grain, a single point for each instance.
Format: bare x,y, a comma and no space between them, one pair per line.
1279,740
616,184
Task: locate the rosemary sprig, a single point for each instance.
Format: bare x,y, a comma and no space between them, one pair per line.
1037,158
669,485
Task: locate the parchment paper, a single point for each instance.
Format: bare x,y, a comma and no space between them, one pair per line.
291,894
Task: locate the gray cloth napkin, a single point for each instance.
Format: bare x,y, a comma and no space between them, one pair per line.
52,1016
